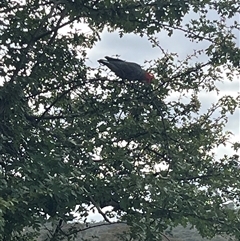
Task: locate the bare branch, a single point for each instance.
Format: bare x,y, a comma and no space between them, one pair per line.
97,207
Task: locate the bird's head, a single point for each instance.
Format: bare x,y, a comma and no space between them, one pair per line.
149,77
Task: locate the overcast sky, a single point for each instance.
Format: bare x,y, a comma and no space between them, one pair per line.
138,49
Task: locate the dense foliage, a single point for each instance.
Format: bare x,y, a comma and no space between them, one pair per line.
68,139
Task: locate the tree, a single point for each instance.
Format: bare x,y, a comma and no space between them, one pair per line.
68,139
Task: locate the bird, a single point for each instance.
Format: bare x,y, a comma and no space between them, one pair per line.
127,70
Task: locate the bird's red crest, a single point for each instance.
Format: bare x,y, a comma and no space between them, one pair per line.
149,77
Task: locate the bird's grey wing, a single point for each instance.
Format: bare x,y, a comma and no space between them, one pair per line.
111,66
116,65
123,69
132,71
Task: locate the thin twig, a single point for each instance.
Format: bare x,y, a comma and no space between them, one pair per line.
54,102
30,44
97,207
98,225
165,236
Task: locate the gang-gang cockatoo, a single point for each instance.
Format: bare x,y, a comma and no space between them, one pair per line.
127,70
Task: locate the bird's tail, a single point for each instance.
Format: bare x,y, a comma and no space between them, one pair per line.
103,61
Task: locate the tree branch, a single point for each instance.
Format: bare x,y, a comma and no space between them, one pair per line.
97,207
54,102
30,44
98,225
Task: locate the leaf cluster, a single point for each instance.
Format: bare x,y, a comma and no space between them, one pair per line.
69,140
